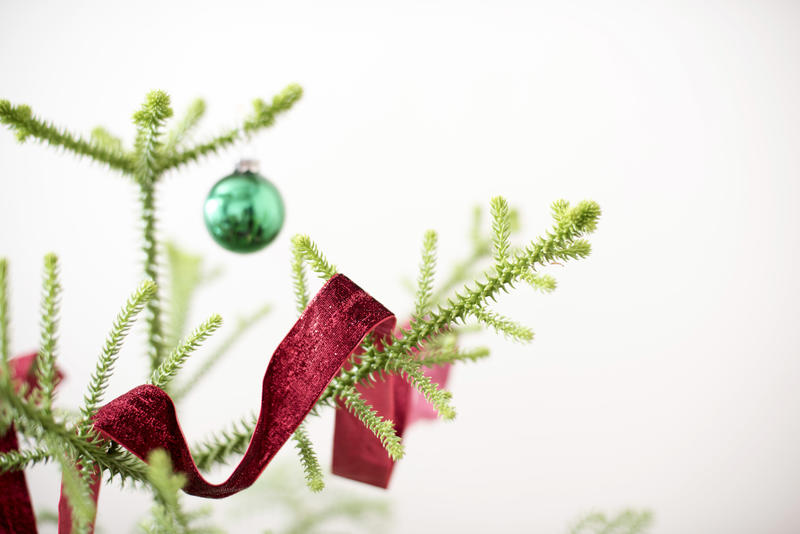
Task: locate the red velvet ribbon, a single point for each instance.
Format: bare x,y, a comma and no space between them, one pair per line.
16,512
357,452
332,327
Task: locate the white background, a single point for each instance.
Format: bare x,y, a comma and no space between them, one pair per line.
665,369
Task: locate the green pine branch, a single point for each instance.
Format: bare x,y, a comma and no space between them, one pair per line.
39,424
543,282
502,325
5,370
263,116
628,521
108,356
563,242
185,276
18,460
203,370
106,140
501,229
220,445
382,428
75,484
308,458
441,357
299,279
46,358
173,363
427,270
185,125
167,515
305,248
21,119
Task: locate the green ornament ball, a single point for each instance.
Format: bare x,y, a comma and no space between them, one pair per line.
243,212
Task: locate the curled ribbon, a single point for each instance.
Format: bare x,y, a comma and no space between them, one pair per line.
332,327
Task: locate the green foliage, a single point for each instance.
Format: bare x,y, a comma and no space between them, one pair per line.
299,280
16,460
167,514
626,522
263,116
108,356
75,484
501,229
441,357
543,282
106,140
382,428
219,446
21,119
278,494
308,458
185,125
563,242
427,269
5,371
165,372
46,359
185,275
502,325
40,425
243,325
305,248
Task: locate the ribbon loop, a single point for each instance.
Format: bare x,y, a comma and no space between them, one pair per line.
333,325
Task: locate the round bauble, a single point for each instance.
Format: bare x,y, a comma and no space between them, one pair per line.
244,212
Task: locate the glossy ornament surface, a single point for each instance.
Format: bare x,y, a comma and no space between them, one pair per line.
243,212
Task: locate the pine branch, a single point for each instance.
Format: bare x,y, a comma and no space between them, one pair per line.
5,370
46,359
503,325
626,522
19,460
299,279
149,120
75,484
218,446
214,358
162,376
155,327
311,467
166,484
108,356
21,119
263,116
441,357
543,282
382,428
427,270
561,243
185,275
106,140
39,424
186,124
307,249
501,229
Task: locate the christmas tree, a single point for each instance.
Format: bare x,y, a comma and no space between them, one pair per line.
344,352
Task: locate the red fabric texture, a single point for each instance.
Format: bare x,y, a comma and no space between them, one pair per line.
330,329
357,453
16,512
